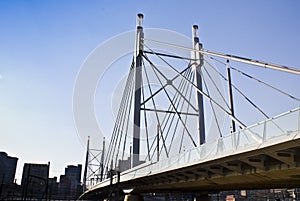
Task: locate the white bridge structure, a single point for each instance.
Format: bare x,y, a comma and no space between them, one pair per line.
162,140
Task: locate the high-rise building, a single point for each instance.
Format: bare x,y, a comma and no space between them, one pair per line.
73,172
53,192
70,182
35,180
8,167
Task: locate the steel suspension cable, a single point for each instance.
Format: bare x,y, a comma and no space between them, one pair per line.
205,95
239,91
164,86
145,118
174,78
243,95
258,80
154,105
128,119
216,87
112,141
169,122
184,90
188,107
127,107
167,94
211,105
153,66
176,97
168,115
234,58
146,127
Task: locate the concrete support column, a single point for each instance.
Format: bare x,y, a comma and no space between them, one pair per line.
134,197
202,198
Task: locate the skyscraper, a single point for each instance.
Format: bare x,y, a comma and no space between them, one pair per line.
70,184
34,180
8,167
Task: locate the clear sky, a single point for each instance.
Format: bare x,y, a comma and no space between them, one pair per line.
44,43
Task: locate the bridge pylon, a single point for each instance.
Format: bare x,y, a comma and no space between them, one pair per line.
137,91
198,57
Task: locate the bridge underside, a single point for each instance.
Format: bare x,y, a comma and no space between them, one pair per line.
272,167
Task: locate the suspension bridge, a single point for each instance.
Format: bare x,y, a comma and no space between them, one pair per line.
177,130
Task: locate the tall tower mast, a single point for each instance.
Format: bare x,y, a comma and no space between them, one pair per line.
198,57
137,90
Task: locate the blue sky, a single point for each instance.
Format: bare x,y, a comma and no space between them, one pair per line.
44,43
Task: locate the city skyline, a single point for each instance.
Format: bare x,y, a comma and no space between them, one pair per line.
11,162
44,44
36,182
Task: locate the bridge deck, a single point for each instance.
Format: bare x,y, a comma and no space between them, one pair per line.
266,155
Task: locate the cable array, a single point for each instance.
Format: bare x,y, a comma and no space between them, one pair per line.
169,112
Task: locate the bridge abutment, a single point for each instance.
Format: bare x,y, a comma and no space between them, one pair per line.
133,197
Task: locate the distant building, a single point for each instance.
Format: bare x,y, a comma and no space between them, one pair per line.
70,183
35,180
74,172
8,167
53,192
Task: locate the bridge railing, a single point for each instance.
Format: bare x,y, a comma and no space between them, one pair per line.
279,129
283,127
